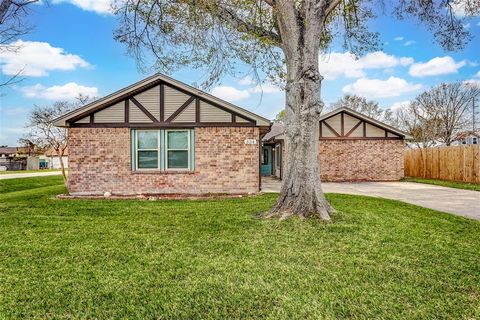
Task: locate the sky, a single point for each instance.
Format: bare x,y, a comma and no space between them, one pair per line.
71,50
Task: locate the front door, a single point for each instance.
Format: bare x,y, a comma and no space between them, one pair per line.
266,167
278,161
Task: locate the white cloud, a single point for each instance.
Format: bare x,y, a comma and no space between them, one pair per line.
477,75
466,26
98,6
230,93
338,64
399,105
436,66
36,59
375,88
265,88
66,92
246,81
409,43
398,38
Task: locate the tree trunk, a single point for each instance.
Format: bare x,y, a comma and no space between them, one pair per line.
61,152
301,28
301,193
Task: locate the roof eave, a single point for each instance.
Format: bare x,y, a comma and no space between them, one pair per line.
367,118
62,121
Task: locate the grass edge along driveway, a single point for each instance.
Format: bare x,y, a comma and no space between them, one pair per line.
213,259
445,183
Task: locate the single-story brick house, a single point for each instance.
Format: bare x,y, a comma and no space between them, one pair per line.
161,136
352,147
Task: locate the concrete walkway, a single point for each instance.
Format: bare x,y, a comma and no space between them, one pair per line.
28,175
455,201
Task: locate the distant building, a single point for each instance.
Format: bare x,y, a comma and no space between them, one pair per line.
467,137
48,160
11,158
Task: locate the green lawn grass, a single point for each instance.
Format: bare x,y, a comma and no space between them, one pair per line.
28,171
446,183
214,259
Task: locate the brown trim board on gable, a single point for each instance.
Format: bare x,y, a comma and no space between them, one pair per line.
389,133
128,94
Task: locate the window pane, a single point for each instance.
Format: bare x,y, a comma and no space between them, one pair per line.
178,159
147,139
147,159
177,139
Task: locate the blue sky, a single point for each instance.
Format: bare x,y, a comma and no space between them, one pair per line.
72,50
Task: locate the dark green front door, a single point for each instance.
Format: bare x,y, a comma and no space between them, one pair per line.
266,168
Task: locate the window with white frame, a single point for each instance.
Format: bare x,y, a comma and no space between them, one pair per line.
163,149
177,149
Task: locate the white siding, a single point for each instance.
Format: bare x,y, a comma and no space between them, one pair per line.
358,132
335,122
187,115
241,120
84,120
150,99
326,132
349,122
174,99
391,135
113,114
209,113
374,132
137,115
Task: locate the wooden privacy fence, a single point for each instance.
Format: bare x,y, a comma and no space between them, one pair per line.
457,163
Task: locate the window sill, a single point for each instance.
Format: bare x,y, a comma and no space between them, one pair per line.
163,172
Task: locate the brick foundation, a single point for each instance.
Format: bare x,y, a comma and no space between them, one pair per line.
361,160
100,161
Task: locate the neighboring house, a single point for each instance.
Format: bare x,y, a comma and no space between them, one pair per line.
161,136
467,137
53,159
49,160
11,158
352,147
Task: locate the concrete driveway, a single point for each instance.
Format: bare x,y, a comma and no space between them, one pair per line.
455,201
28,175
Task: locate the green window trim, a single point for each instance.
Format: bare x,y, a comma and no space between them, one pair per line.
181,152
185,155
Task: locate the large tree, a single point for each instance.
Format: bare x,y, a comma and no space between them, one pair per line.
447,106
419,125
282,38
361,104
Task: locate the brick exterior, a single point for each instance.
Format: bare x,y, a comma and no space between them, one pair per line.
361,160
100,161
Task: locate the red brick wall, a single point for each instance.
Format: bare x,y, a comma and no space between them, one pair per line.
361,160
99,161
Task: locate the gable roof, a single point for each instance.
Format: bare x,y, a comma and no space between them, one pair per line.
144,84
467,134
367,119
8,150
279,129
